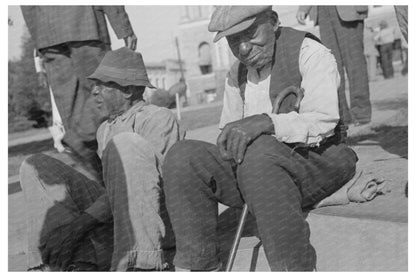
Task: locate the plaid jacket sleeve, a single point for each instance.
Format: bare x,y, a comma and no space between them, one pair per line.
118,18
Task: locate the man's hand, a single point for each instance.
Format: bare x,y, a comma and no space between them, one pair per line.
131,42
64,240
301,16
237,135
42,80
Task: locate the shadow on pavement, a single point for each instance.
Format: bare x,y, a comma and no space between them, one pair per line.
391,104
393,139
31,148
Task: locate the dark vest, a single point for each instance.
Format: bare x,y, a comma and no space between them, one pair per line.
286,72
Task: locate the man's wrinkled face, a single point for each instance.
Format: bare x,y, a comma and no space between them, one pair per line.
254,46
109,97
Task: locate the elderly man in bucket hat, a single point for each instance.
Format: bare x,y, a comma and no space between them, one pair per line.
277,164
119,222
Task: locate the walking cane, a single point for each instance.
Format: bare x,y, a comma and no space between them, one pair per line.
277,103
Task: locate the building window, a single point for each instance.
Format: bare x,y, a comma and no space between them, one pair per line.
205,61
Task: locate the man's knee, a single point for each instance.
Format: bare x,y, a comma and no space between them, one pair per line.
183,153
260,160
261,149
33,167
180,164
35,163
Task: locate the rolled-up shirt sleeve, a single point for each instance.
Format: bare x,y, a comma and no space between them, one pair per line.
319,112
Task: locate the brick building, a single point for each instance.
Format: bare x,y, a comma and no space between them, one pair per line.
206,63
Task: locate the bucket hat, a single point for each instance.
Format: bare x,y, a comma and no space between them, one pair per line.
124,67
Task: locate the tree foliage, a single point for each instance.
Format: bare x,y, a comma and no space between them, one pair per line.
25,94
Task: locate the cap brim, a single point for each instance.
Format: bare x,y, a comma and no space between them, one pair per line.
235,29
122,82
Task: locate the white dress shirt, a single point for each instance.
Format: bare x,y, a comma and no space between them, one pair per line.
318,114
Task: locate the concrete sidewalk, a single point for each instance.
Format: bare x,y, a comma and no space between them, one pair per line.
369,236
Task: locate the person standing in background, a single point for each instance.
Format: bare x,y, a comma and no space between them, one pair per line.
385,39
71,41
341,30
370,52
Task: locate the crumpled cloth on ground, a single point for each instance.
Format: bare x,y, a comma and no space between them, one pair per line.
363,187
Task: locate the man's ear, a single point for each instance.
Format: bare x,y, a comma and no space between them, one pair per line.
275,19
128,93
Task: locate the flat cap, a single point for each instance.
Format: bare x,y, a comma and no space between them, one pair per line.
124,67
228,20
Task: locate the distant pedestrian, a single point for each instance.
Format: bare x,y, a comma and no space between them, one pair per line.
370,52
385,39
341,30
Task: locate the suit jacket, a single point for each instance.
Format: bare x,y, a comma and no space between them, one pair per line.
53,25
346,13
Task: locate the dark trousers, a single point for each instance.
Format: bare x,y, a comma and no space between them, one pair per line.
386,58
345,39
274,180
67,66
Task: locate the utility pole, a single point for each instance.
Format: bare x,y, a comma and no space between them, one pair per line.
178,103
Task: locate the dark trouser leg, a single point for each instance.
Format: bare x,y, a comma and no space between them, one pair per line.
277,182
85,58
330,40
195,177
386,52
274,181
275,202
67,67
350,37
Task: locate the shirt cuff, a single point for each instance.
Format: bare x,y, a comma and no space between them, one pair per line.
286,132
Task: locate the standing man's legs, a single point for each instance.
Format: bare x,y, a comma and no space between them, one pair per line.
55,194
350,36
67,67
347,38
330,40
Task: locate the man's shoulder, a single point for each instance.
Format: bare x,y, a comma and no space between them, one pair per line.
156,111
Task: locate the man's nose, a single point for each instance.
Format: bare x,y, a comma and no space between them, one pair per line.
244,48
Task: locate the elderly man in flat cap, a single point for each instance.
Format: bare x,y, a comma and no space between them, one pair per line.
278,164
72,219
